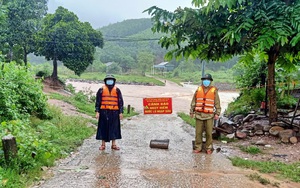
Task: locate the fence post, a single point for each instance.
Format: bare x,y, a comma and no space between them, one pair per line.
128,109
9,147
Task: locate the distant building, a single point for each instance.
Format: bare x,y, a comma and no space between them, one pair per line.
109,64
164,67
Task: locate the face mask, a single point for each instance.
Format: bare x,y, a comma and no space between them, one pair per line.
109,82
206,83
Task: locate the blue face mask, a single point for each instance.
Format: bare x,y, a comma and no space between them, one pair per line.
206,83
109,82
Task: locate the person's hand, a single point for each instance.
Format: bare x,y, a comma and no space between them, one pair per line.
216,116
97,115
121,116
192,115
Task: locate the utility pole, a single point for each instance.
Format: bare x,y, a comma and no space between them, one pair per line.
203,67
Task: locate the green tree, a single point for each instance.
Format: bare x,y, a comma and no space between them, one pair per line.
114,68
64,38
251,70
145,60
22,22
114,53
220,29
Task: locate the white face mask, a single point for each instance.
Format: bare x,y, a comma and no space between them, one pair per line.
109,82
206,83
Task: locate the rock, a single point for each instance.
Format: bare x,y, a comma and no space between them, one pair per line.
285,136
259,132
215,134
247,132
287,133
275,130
258,127
278,123
251,134
249,117
228,127
223,120
240,134
296,129
293,140
238,118
261,143
230,136
285,140
267,133
266,128
248,127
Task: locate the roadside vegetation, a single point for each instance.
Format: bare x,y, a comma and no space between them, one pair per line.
264,181
42,132
86,104
281,170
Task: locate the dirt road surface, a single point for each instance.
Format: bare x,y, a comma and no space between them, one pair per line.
138,165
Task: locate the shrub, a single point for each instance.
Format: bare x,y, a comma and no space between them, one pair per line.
42,74
20,95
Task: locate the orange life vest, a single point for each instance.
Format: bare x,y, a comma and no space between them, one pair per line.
205,102
109,99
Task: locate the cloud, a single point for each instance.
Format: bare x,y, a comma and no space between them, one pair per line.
103,12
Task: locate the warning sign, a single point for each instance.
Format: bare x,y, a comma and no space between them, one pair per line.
157,105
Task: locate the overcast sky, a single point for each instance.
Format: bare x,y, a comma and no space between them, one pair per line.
104,12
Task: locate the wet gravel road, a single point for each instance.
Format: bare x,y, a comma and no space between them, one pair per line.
138,165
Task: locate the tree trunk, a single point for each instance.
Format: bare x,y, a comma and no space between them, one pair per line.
10,54
54,73
25,56
273,55
9,147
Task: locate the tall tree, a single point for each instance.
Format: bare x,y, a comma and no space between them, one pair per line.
145,61
219,29
64,38
23,19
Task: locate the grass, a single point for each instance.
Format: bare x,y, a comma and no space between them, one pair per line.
124,78
56,139
86,107
264,181
226,139
282,170
62,133
250,149
83,107
186,118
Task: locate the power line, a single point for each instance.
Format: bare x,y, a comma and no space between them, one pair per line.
110,40
132,39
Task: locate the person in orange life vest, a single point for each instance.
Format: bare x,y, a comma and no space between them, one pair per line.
205,107
109,112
